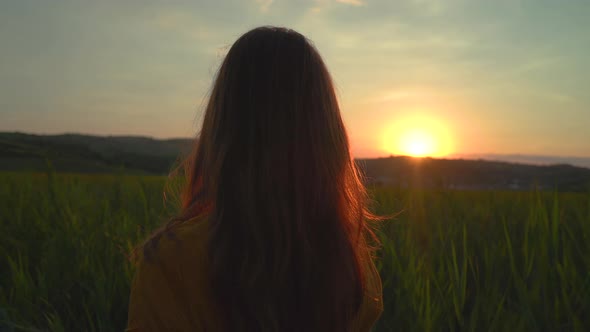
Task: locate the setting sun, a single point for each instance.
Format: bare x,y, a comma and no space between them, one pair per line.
418,136
417,143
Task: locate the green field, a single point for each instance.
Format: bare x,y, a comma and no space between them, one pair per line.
451,260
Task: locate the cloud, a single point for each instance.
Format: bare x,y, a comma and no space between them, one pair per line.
538,64
352,2
431,7
264,5
321,5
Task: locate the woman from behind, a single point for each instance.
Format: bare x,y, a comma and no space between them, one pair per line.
274,234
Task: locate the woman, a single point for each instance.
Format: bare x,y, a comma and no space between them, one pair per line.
273,234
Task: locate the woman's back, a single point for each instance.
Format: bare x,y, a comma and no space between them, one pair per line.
171,290
287,241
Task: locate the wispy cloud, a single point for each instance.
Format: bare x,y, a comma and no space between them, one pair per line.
431,7
322,5
182,23
352,2
264,5
537,64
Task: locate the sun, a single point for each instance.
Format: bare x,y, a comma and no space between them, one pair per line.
417,136
417,143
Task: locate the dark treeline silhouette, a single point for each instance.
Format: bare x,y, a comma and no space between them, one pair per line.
473,174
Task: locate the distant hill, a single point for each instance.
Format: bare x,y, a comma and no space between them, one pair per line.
143,155
474,174
528,159
89,154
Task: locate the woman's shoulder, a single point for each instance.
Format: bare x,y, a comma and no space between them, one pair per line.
193,231
176,244
177,257
171,289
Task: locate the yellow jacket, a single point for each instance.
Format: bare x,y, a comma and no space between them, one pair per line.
171,293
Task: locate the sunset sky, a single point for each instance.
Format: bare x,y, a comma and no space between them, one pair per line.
433,77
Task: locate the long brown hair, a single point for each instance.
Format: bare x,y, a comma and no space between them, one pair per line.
272,172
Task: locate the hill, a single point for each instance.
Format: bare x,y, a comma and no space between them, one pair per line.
144,155
89,154
474,174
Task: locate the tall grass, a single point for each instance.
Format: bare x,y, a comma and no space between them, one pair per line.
451,260
63,246
485,261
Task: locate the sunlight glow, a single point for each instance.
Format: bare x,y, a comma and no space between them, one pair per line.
417,136
417,143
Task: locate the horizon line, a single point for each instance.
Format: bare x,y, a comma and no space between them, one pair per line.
456,155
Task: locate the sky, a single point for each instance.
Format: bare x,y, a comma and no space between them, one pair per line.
426,77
